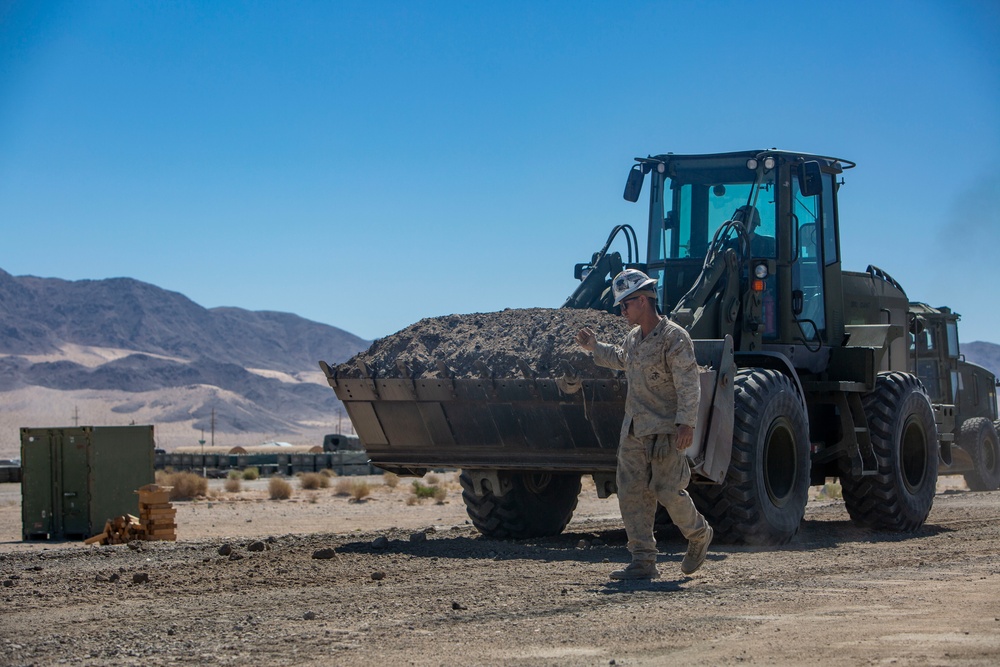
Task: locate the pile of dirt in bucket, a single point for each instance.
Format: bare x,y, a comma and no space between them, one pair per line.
528,342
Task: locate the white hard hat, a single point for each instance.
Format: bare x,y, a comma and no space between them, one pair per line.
629,282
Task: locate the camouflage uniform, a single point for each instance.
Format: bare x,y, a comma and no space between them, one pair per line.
663,392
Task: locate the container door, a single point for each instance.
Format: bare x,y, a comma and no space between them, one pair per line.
74,495
37,508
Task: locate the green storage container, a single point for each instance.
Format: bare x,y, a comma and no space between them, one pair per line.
76,478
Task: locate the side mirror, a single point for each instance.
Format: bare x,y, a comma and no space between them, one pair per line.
633,186
798,302
581,271
810,179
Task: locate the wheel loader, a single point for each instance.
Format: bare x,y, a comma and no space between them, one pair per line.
804,371
963,395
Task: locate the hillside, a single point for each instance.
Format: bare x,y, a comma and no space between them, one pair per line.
119,350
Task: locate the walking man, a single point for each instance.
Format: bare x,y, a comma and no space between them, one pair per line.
661,409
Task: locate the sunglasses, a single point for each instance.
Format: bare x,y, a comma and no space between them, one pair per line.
624,304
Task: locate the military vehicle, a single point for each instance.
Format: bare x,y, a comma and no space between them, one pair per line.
804,369
963,394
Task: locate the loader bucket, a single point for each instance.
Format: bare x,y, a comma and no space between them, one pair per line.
532,424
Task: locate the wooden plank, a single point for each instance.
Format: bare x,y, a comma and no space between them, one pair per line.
100,537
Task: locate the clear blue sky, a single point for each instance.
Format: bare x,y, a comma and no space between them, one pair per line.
368,164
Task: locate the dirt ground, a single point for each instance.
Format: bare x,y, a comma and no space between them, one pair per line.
413,583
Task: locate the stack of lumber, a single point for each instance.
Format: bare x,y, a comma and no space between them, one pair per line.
120,530
156,514
156,520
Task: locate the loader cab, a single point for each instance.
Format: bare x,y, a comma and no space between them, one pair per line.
933,351
935,357
776,212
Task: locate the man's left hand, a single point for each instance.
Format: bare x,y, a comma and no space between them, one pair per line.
685,436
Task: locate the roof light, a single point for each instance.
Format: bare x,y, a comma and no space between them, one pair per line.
752,164
661,168
769,162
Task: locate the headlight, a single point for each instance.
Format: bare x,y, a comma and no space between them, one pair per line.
760,271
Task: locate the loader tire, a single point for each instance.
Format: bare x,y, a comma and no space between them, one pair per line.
979,438
905,443
763,498
537,505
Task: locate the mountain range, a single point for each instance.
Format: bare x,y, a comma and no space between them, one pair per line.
120,351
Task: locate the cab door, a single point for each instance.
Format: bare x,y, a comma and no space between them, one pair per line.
808,262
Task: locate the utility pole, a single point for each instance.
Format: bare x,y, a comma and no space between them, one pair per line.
204,468
213,428
76,416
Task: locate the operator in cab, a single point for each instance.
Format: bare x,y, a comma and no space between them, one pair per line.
661,409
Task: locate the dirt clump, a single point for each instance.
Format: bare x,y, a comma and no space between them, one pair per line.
526,342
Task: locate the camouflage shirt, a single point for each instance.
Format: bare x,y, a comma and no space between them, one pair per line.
663,378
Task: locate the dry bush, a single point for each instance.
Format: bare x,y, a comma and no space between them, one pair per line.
313,480
234,474
187,485
251,473
440,495
432,479
390,479
344,487
328,472
831,491
361,490
233,485
412,500
279,489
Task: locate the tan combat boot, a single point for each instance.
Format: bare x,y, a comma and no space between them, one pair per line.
697,550
637,569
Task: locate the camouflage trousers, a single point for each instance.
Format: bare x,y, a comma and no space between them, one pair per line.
644,481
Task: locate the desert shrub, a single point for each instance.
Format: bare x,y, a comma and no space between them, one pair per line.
232,485
344,487
390,479
412,500
186,485
831,491
421,491
432,479
440,494
360,490
234,474
279,489
313,481
328,472
251,473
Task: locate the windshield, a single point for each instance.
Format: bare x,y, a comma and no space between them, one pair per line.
702,197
